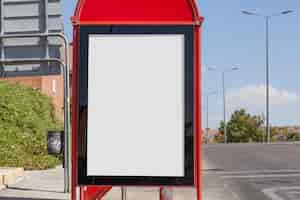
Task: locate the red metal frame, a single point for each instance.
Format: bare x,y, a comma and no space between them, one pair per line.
93,192
198,104
135,12
74,110
198,117
165,193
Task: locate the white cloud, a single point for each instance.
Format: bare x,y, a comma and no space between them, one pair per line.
255,95
284,104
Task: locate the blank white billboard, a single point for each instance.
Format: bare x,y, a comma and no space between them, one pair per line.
135,105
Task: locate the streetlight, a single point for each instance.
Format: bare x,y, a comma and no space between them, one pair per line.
207,108
224,97
267,19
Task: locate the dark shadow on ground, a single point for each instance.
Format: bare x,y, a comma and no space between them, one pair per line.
19,198
30,189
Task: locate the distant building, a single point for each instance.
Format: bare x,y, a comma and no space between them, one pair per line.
26,17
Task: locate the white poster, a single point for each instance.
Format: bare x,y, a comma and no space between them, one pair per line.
136,105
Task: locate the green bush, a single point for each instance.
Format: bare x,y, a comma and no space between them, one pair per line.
294,136
25,117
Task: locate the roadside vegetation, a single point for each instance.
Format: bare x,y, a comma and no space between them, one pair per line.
25,117
244,127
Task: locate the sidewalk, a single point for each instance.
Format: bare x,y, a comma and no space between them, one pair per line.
150,193
214,188
48,185
37,185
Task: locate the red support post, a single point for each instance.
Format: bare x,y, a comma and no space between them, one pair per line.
94,192
74,111
165,193
198,91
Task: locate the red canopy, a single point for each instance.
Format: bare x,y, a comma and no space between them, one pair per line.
137,12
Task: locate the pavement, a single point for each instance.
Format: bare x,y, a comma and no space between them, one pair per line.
9,175
37,185
150,193
230,172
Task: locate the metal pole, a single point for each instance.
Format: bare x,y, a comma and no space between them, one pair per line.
267,19
267,82
66,110
1,39
67,120
66,73
124,193
46,29
207,107
224,107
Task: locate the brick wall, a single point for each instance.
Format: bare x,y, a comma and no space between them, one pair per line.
51,86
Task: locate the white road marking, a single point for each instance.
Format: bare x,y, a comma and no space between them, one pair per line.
271,192
294,193
262,176
254,171
228,188
275,193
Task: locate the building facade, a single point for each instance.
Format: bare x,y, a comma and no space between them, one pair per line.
29,17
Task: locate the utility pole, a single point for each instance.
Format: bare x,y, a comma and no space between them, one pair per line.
207,107
267,82
224,107
267,21
224,98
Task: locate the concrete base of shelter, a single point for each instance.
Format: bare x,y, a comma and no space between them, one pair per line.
10,176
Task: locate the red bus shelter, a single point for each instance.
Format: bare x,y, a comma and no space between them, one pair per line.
134,18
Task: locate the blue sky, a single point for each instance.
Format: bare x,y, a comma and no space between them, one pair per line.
233,39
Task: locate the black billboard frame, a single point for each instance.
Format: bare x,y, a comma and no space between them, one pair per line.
189,155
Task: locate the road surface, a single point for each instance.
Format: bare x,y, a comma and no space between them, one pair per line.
252,171
230,172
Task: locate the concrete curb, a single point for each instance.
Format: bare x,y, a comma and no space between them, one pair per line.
9,176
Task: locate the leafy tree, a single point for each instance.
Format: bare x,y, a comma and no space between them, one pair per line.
243,127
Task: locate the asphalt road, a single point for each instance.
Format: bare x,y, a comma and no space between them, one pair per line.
230,172
251,172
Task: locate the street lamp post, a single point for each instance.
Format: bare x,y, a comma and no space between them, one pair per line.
207,109
224,99
267,21
224,107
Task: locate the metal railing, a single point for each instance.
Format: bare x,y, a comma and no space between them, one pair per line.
65,69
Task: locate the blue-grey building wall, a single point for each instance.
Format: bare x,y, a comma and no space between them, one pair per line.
25,17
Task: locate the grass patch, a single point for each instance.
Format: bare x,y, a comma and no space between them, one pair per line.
25,117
